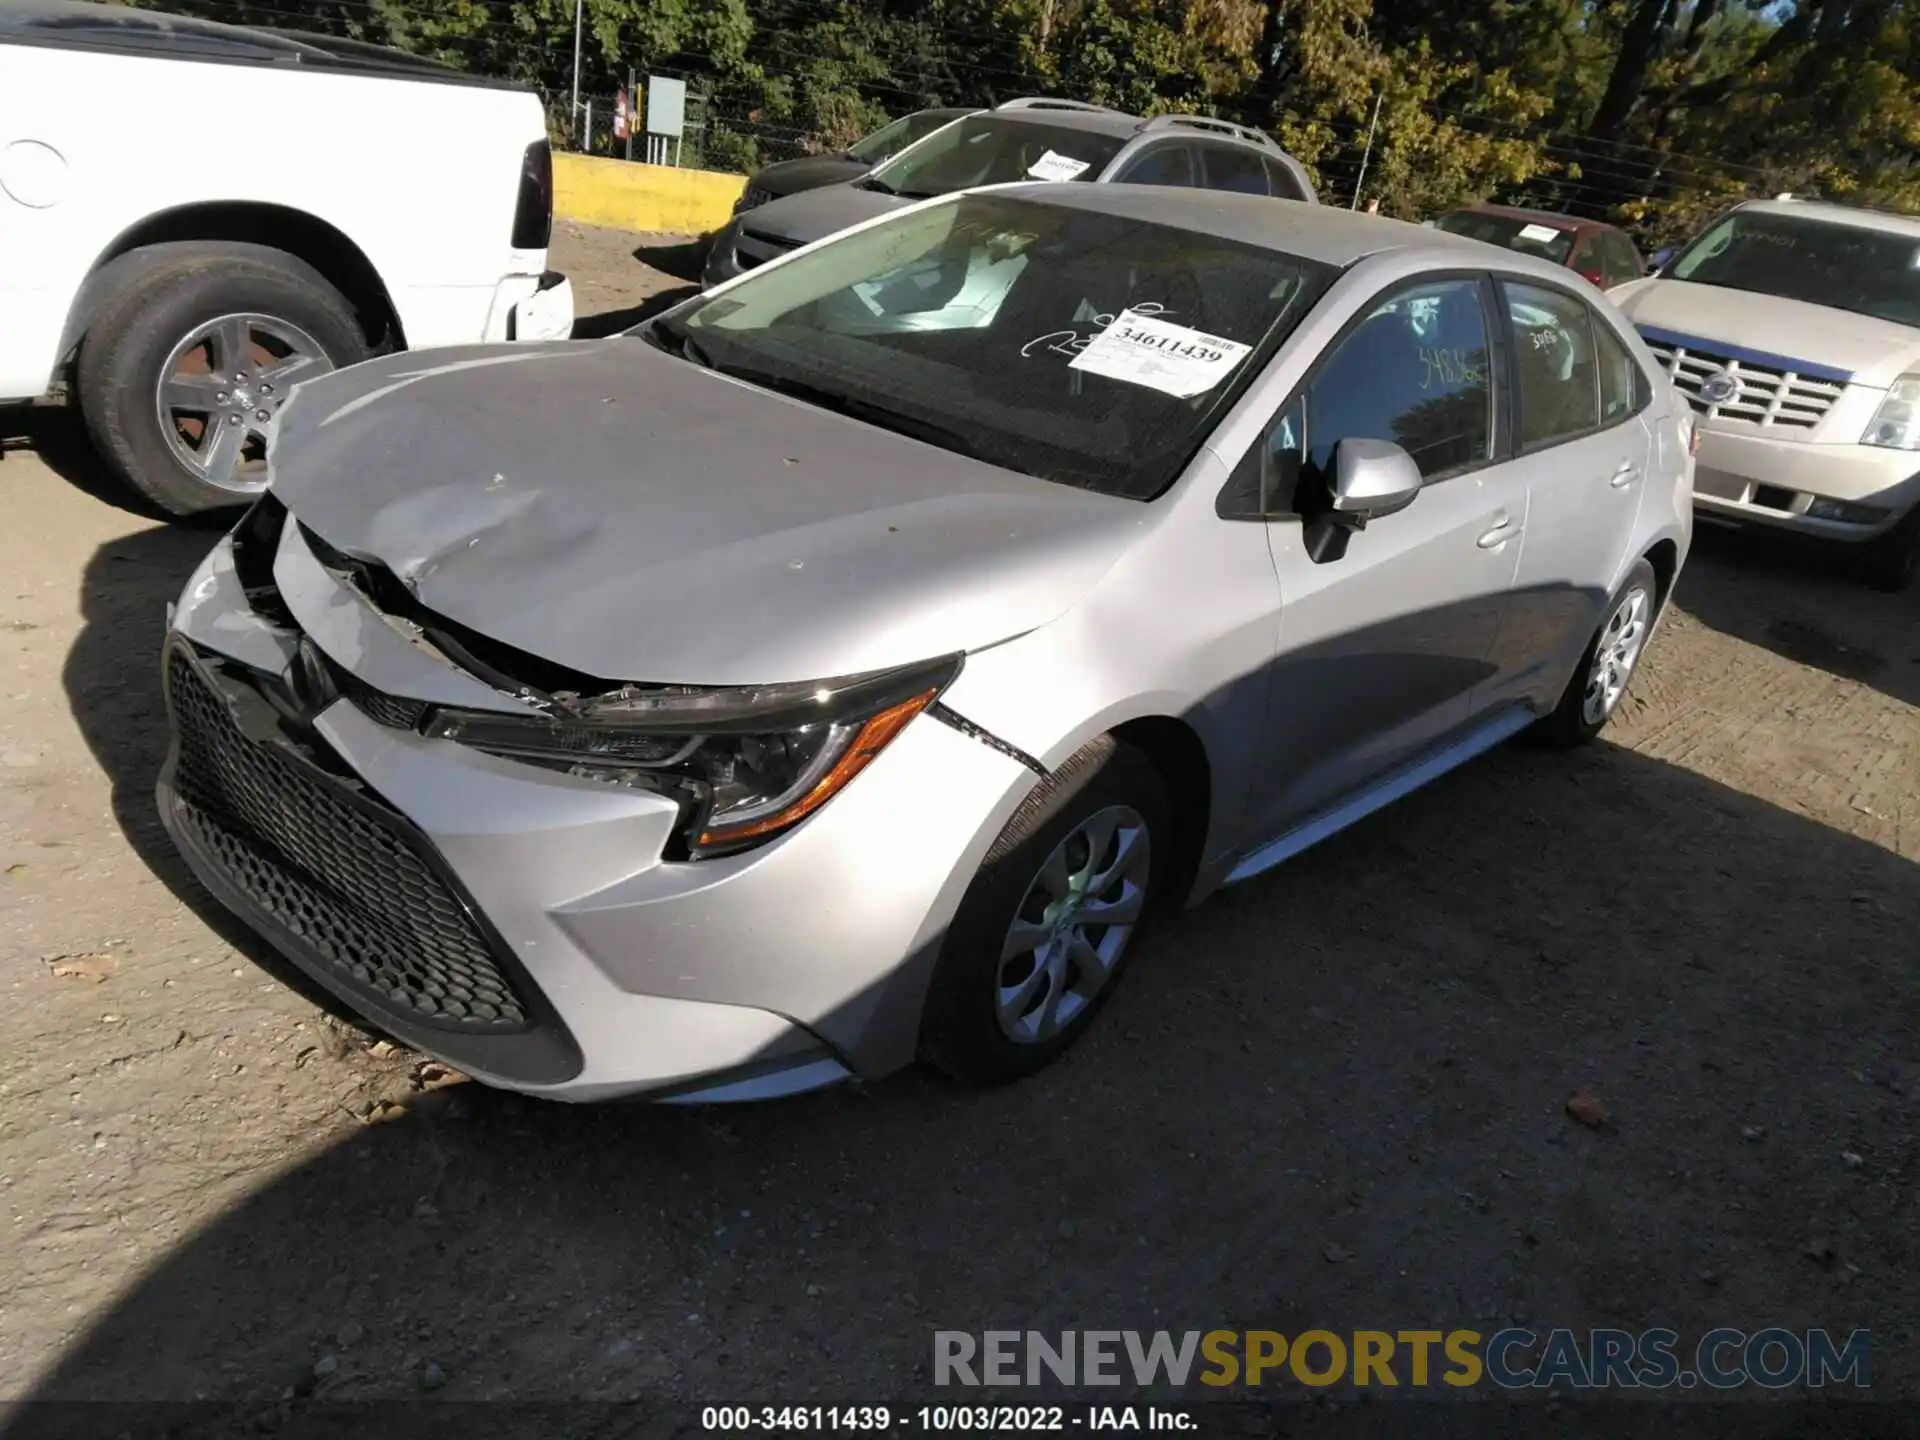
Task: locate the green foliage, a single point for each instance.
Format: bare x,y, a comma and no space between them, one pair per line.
1656,112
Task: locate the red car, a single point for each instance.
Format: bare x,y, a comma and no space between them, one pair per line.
1600,253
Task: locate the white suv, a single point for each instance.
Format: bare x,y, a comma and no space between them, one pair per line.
335,200
1794,329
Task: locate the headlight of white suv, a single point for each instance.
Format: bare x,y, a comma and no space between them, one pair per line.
1896,424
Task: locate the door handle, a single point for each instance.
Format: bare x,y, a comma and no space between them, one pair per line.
1625,475
1501,531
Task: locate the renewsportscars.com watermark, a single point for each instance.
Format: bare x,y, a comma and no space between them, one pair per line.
1512,1359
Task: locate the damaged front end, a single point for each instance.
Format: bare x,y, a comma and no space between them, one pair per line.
742,763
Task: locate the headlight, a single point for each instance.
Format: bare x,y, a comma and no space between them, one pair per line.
744,762
1896,424
750,197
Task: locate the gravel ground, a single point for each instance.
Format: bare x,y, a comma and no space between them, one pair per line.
1333,1097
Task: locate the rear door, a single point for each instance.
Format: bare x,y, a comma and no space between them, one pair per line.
1382,648
1582,445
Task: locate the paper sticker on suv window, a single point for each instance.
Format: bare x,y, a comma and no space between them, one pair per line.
1054,166
1162,356
1545,234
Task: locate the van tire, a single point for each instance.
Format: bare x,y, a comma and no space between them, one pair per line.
156,308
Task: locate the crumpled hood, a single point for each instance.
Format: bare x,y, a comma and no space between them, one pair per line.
1874,352
808,172
636,517
813,214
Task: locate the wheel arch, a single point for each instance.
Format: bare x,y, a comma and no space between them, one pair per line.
1664,556
327,250
1174,749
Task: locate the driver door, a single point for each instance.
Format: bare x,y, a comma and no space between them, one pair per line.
1383,647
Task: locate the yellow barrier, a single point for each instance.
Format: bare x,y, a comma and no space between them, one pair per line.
630,196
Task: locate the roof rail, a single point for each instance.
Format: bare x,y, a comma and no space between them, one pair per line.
1047,102
1219,127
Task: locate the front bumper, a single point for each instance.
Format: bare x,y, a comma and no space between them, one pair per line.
736,978
1762,480
737,249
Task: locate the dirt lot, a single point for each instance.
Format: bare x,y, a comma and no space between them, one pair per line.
1333,1097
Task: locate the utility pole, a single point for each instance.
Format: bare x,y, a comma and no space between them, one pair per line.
1368,154
573,115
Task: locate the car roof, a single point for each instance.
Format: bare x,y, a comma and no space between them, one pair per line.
1559,219
1324,233
1095,122
1824,211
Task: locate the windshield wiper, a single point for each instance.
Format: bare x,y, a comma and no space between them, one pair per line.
675,340
878,186
927,431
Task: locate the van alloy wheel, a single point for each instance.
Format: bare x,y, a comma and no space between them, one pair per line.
220,391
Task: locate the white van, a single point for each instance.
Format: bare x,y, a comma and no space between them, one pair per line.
196,217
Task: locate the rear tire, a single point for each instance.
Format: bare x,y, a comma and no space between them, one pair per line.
1891,562
265,321
1026,966
1607,665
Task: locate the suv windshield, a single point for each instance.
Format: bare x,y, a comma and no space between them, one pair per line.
1848,267
1084,348
994,150
890,140
1510,232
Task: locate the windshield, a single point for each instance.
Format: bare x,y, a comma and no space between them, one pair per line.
1848,267
994,150
1510,232
1078,347
890,140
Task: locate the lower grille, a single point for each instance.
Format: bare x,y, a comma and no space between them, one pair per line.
357,889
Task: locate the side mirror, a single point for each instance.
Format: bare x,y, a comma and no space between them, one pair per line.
1660,259
1371,479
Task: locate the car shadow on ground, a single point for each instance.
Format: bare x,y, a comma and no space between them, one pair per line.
56,434
683,259
1805,604
612,322
1334,1097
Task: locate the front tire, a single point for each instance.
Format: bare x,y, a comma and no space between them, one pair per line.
1607,665
1892,561
184,369
1048,924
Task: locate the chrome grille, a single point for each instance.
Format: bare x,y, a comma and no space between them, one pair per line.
1768,395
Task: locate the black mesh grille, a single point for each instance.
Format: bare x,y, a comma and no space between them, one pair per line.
354,888
394,711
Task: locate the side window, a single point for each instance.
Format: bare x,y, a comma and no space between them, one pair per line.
1281,181
1558,394
1588,258
1226,167
1626,259
1162,165
1623,390
1413,372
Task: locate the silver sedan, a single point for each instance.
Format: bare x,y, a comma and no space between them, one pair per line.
842,668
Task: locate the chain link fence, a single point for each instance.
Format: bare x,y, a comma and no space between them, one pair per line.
715,136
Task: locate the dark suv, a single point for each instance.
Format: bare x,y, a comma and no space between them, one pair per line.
1030,139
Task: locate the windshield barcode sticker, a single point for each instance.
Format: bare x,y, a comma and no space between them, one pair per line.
1163,356
1054,166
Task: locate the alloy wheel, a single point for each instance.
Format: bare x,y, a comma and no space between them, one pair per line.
1073,925
220,393
1615,654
